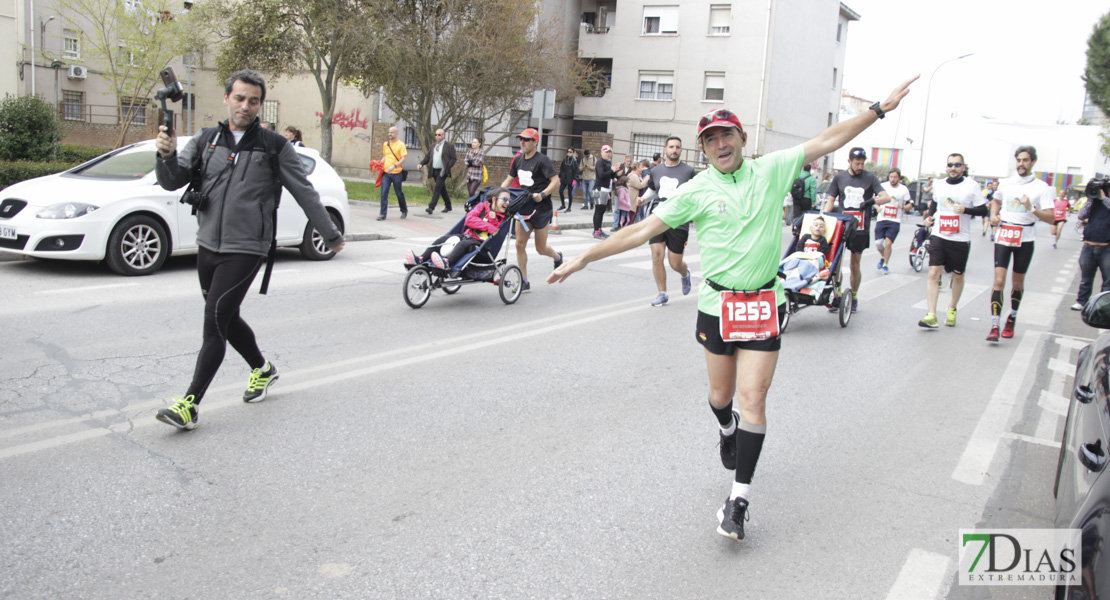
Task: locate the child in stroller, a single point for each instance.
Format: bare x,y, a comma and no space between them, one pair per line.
807,264
481,221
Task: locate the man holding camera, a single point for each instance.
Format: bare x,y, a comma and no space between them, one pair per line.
1094,217
235,179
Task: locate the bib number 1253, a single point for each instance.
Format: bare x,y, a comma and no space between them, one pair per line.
749,316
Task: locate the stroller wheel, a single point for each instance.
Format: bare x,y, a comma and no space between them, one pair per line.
846,307
511,285
451,289
785,317
418,287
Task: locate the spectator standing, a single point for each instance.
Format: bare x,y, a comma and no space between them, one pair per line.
1095,218
588,174
568,174
604,182
440,160
394,152
294,136
475,159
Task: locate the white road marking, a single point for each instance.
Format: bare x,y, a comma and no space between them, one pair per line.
138,415
1031,439
971,292
1037,308
977,456
1054,403
921,576
88,288
879,286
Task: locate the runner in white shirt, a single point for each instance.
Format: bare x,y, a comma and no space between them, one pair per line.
1018,203
955,201
890,217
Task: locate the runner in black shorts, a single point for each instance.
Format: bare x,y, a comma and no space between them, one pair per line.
665,179
735,205
955,201
537,175
856,191
1018,203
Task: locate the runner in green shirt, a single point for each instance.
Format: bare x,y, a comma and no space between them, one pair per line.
736,207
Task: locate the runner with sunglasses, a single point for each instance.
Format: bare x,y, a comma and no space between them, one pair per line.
856,191
735,207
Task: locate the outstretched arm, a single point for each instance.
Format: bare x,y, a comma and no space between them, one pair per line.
625,239
840,134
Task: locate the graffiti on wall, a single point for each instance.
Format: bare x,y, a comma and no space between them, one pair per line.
346,120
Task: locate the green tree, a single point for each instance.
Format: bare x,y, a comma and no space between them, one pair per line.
465,63
130,41
28,129
291,37
1097,73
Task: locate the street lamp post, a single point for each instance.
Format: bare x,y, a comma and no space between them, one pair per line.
925,121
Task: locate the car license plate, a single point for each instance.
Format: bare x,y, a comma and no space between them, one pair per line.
7,233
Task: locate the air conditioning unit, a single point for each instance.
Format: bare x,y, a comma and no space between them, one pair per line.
78,72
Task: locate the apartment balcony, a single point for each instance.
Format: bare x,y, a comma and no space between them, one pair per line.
595,41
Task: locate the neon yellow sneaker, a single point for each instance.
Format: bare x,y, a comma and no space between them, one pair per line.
929,322
182,415
951,320
260,382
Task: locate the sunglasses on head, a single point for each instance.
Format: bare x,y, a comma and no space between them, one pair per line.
857,154
721,113
955,165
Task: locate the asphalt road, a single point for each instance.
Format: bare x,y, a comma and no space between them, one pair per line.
560,447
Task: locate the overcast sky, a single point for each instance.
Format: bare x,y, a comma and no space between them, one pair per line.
1026,67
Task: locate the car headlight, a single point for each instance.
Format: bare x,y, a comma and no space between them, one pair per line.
66,210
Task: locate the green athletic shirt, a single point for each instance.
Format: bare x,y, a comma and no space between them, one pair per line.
739,222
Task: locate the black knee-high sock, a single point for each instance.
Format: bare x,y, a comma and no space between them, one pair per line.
996,303
749,443
724,415
1015,300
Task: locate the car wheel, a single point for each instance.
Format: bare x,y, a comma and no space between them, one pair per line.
313,247
418,287
511,285
138,246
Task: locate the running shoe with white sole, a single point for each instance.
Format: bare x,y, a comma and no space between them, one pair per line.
929,322
260,382
732,516
687,282
950,321
182,415
660,300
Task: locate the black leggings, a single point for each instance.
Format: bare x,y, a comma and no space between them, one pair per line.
224,282
599,214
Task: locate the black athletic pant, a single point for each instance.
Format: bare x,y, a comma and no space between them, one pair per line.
440,189
224,282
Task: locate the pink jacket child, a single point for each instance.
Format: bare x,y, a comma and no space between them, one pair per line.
482,220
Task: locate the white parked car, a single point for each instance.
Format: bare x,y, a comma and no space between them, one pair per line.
112,209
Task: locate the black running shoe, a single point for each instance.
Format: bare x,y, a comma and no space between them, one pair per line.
559,261
259,383
732,516
728,445
182,415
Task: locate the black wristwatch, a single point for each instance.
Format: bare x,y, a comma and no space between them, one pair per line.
878,110
544,196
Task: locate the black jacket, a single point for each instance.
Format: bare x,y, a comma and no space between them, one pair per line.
449,158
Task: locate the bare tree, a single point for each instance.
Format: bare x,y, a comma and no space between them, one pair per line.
464,61
291,37
130,41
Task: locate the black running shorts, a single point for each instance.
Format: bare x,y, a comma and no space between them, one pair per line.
1023,255
675,239
708,334
860,241
541,218
948,254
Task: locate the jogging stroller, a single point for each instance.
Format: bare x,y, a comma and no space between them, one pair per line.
480,265
823,288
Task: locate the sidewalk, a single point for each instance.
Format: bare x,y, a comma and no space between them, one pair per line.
365,226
